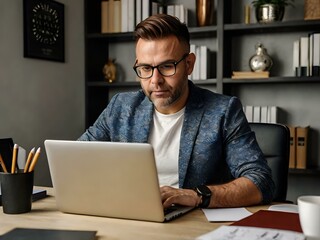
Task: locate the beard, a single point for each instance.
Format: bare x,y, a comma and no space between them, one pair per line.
164,102
171,96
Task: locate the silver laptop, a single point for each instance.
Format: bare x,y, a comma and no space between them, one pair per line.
107,179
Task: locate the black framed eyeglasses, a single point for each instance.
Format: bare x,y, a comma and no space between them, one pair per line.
166,69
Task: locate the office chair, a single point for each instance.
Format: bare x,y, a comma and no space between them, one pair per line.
274,141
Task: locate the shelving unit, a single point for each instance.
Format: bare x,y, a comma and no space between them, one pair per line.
298,97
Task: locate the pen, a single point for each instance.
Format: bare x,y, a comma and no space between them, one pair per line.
3,165
14,158
30,156
34,160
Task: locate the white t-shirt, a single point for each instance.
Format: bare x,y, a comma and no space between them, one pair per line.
165,139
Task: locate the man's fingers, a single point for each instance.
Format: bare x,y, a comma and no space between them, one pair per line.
184,197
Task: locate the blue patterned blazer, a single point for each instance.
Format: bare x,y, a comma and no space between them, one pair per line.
216,143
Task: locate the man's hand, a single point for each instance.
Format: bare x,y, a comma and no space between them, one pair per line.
240,192
185,197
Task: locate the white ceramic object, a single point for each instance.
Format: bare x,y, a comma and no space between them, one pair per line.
309,214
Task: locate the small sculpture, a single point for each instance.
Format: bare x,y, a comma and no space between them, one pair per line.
110,71
261,61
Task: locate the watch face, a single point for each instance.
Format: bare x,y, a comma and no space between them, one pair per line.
204,190
44,29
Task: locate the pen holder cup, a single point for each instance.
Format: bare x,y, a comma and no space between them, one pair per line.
16,191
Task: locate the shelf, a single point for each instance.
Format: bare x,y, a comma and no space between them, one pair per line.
205,82
112,85
207,31
195,32
287,80
288,26
112,37
311,171
137,84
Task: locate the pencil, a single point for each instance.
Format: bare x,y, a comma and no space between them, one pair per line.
3,165
14,158
34,160
30,156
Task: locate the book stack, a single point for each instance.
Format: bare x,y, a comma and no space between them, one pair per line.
111,16
203,67
262,114
298,147
250,75
179,11
306,55
124,15
311,9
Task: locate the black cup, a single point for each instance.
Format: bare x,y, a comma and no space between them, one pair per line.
16,191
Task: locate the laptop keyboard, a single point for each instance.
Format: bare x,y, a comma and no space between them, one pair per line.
170,209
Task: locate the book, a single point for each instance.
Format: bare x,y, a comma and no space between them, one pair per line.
264,114
177,11
155,6
204,59
195,75
48,234
131,15
304,56
292,154
249,113
272,219
145,9
316,55
171,10
117,16
124,15
296,57
138,11
251,75
310,55
301,147
256,114
311,9
111,16
272,114
104,16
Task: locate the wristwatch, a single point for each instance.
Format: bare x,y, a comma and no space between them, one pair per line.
205,193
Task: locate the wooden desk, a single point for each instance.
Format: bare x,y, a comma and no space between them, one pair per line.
44,214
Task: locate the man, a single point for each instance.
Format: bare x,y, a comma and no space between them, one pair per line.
205,152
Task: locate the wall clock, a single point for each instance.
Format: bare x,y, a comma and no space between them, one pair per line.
43,29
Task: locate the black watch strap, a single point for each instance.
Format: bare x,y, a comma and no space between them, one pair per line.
205,193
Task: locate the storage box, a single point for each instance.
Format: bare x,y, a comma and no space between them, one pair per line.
311,9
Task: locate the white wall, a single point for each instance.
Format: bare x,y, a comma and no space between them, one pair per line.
41,99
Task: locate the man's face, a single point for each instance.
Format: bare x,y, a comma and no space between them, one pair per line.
168,94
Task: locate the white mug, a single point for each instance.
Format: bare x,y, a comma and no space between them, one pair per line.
309,215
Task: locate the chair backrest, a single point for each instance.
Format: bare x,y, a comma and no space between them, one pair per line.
274,141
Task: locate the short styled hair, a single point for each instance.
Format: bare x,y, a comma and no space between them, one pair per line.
160,26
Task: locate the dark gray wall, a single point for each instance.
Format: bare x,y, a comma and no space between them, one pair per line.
41,99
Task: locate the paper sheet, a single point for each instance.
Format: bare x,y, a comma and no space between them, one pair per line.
226,214
253,233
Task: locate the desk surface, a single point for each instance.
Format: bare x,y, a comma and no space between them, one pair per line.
44,214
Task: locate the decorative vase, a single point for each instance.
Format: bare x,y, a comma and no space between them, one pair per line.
110,71
268,13
260,61
204,11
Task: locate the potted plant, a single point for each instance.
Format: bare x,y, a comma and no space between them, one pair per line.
270,10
